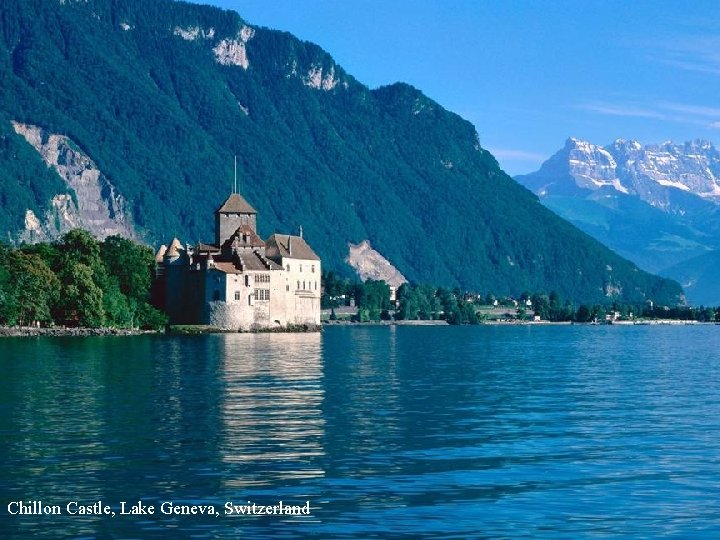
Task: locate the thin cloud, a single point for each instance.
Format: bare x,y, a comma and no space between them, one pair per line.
700,54
679,113
695,110
620,110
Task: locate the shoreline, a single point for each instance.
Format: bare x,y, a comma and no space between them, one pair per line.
31,331
647,322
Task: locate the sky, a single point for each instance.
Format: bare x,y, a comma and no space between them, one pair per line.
528,74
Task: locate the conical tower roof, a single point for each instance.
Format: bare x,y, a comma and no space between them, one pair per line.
235,204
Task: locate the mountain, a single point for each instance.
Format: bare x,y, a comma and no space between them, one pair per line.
126,114
657,205
699,278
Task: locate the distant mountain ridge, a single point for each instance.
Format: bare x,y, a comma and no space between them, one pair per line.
658,205
160,95
653,173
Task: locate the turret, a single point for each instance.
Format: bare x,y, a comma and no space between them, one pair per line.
233,213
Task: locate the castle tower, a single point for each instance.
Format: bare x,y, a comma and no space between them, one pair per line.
234,213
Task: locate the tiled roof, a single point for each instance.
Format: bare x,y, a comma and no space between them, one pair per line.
251,262
245,237
174,249
207,247
254,261
235,204
227,268
285,245
160,253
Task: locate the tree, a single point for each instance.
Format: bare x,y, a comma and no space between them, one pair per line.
82,300
131,263
583,314
35,289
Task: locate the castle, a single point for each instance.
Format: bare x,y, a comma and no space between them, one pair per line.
241,282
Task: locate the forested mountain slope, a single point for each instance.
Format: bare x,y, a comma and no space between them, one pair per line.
160,95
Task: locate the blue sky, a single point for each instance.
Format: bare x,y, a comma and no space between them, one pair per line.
528,74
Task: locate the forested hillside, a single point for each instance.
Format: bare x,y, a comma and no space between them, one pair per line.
161,95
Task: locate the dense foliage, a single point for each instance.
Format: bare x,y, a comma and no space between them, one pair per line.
162,119
78,281
426,302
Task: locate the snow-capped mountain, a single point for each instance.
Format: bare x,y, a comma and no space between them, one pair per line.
658,205
653,173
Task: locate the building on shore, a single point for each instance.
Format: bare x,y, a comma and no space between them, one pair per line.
241,282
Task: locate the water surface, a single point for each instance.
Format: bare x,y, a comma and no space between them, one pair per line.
454,432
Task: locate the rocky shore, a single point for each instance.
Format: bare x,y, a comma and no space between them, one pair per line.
27,331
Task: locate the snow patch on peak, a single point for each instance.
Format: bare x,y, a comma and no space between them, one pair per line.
233,52
592,167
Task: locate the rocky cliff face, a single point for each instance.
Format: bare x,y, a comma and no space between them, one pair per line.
370,264
92,202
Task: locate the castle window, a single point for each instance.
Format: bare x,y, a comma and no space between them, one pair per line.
237,295
301,267
287,288
303,285
262,294
247,280
316,285
312,268
288,267
298,285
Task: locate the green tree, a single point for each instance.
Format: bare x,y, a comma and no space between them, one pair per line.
82,299
583,314
34,290
131,263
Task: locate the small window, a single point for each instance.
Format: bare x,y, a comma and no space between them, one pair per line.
316,285
301,267
303,285
237,295
288,267
287,288
298,284
312,269
247,280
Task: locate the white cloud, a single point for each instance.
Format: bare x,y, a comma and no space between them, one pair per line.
621,110
679,113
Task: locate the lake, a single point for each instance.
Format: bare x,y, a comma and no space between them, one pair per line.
446,432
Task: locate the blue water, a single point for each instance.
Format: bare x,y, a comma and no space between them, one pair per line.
447,432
